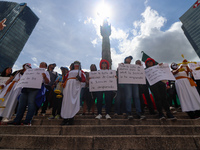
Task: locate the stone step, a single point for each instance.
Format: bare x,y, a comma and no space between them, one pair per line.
125,142
177,115
101,130
118,122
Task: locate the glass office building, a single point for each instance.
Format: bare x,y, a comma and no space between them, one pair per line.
19,25
191,26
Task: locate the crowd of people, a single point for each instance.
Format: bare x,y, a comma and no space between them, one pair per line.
66,92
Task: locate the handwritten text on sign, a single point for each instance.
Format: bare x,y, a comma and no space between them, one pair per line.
32,78
103,80
158,73
196,73
3,80
131,74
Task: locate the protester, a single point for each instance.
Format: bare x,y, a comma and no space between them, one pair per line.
50,93
10,94
104,65
143,89
71,94
89,97
160,94
6,72
171,95
132,91
57,103
27,98
186,90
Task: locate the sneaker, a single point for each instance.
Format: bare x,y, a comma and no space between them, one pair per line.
83,114
115,114
99,116
142,117
57,117
162,117
107,117
171,108
5,120
171,117
197,118
51,117
174,112
130,117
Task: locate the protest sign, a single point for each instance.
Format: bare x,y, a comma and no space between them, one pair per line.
131,74
32,78
3,80
158,73
103,80
195,70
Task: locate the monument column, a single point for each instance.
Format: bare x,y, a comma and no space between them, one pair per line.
105,33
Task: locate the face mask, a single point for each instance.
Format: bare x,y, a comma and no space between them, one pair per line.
174,66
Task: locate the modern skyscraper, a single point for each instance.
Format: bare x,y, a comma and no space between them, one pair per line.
20,22
191,26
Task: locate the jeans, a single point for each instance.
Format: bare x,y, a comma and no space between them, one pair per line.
108,101
26,99
132,90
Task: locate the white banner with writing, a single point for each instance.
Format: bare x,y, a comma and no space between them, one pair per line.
32,78
102,80
3,80
158,73
131,74
195,70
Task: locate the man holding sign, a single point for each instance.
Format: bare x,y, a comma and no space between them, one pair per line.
159,91
131,90
28,95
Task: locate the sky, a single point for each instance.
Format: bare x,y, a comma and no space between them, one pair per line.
69,30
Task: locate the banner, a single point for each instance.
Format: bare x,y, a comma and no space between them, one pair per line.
158,73
32,78
131,74
195,70
103,80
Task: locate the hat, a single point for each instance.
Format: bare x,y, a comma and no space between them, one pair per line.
53,64
150,59
64,68
104,61
127,58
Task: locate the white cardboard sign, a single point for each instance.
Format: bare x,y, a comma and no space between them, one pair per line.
102,80
32,78
131,74
158,73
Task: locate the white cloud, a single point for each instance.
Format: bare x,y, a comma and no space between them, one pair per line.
164,46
